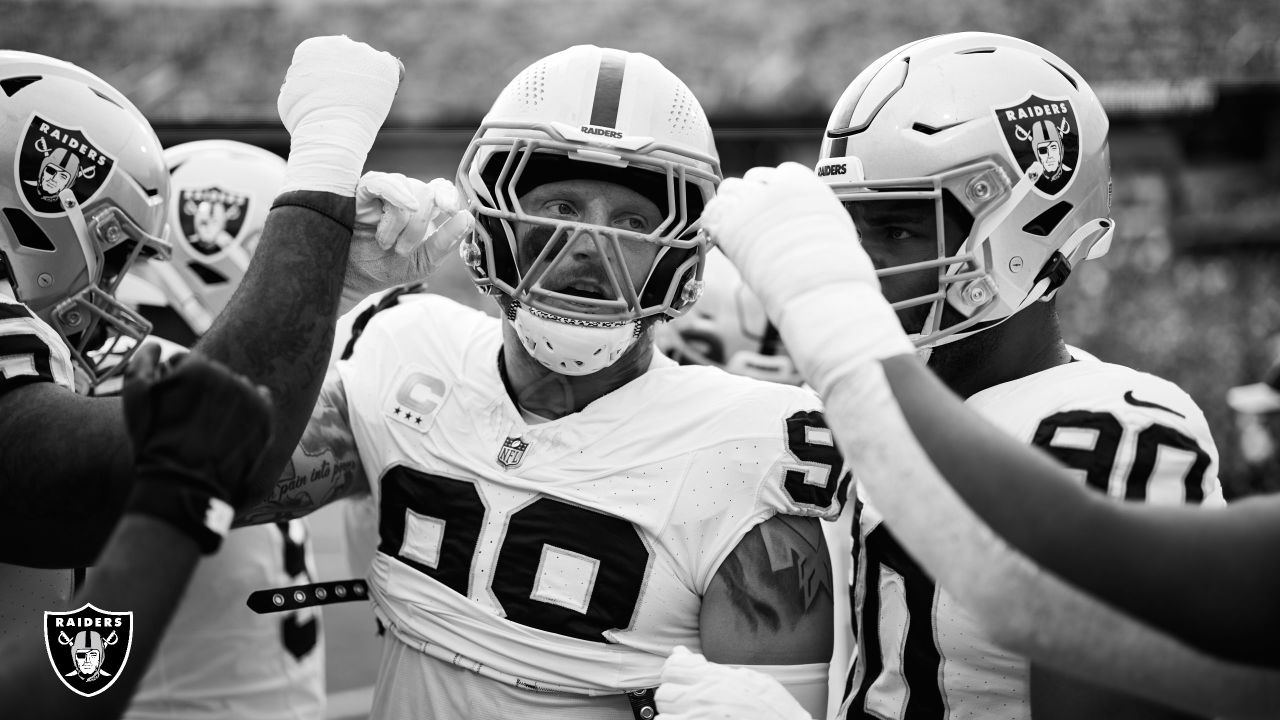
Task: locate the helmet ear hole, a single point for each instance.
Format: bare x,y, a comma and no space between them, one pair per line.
664,272
1044,223
26,232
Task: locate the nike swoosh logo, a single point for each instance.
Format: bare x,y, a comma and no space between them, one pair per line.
1129,398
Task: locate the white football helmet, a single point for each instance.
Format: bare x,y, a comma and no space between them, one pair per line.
220,194
994,125
728,329
595,114
86,200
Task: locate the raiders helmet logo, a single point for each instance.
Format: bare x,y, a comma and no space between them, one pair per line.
88,647
51,159
211,218
1043,137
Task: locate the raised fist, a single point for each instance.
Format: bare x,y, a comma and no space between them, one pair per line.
335,97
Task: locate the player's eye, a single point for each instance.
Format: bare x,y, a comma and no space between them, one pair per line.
897,233
634,223
559,209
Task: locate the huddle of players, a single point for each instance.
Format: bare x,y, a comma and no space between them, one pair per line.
497,484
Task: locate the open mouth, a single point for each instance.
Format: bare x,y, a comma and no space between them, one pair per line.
587,289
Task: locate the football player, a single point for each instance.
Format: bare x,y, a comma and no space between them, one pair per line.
226,661
559,505
147,562
1047,566
727,329
933,152
32,352
63,253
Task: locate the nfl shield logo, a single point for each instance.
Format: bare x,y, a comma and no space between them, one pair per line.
512,452
88,647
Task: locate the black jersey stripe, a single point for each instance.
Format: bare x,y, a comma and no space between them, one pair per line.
27,344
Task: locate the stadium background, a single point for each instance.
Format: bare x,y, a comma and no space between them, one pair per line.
1189,291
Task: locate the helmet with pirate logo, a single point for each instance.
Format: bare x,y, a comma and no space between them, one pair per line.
991,146
589,114
220,194
86,201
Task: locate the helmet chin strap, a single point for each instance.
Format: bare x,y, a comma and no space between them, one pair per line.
76,217
571,347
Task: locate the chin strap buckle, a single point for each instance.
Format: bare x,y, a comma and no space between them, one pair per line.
1056,269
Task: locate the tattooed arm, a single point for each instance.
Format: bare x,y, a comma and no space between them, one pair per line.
325,465
771,604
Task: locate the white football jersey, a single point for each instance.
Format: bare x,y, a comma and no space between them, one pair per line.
30,352
219,660
921,656
560,561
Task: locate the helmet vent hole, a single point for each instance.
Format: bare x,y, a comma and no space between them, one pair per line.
207,275
532,85
1044,223
27,232
1074,83
681,112
931,130
104,97
978,51
13,85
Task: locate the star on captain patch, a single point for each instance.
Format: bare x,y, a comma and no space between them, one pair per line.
512,452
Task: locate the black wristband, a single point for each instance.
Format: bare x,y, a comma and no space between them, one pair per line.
338,208
197,514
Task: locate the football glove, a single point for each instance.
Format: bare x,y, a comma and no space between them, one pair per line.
198,431
694,689
335,97
404,229
798,250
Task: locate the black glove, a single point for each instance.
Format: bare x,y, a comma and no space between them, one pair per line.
198,432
